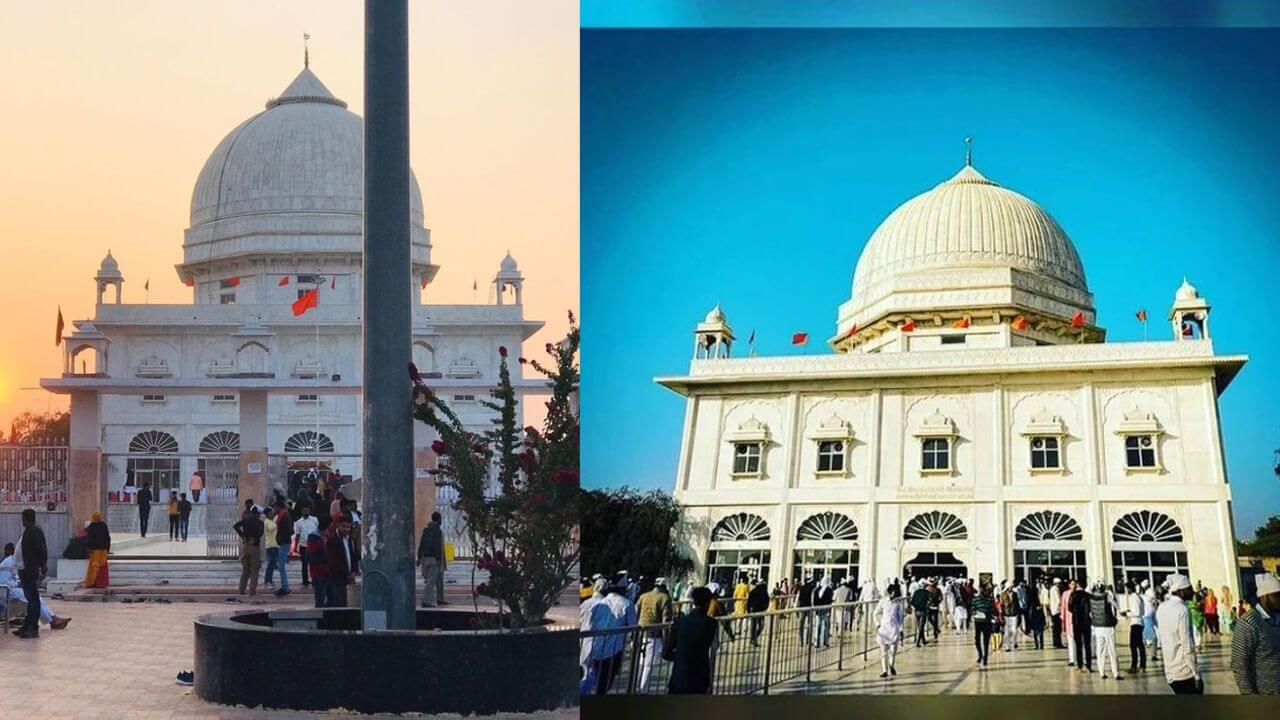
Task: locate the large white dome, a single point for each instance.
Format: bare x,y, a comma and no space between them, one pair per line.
967,249
288,181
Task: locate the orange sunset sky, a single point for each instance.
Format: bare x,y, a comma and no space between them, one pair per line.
108,111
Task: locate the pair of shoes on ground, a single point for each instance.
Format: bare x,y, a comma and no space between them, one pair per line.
27,634
186,677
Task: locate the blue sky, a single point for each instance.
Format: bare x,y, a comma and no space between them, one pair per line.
749,167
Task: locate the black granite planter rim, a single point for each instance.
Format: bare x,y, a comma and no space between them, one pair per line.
230,621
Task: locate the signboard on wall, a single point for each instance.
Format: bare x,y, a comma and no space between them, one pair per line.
255,468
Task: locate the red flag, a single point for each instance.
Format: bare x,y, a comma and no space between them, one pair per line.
908,326
424,282
306,302
283,281
1077,320
191,282
333,284
1186,330
961,323
1019,323
58,333
233,281
799,338
1142,315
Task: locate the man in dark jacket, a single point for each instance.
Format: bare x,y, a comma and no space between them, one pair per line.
920,606
757,602
250,530
1081,630
431,560
33,563
144,507
343,562
690,648
804,599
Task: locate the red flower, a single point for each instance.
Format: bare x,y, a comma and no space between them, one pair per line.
566,476
478,448
502,350
439,447
550,349
413,374
480,589
499,556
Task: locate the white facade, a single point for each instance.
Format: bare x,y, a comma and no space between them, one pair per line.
276,212
971,421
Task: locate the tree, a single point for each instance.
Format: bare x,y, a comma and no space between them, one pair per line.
623,529
1266,539
41,429
525,535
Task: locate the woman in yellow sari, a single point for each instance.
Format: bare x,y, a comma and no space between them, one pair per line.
99,542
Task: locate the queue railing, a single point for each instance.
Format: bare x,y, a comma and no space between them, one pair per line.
754,653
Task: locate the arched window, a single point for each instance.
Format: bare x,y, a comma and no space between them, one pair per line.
222,441
739,547
159,466
935,526
826,546
308,441
253,358
1048,543
1147,545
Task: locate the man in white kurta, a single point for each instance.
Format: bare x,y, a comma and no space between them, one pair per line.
9,579
1173,625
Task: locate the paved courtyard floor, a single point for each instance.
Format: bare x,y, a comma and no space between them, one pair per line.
119,660
949,666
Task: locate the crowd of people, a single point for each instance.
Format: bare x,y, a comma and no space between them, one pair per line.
1171,622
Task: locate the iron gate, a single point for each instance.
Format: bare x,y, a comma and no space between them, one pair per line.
221,477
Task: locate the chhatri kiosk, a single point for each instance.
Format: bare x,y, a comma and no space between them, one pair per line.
970,420
235,385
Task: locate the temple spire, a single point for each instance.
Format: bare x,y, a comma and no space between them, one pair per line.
306,51
968,152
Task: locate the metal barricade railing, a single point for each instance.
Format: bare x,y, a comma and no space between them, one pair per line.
754,653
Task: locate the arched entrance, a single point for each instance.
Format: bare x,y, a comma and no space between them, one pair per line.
739,545
931,543
827,545
1049,543
1147,545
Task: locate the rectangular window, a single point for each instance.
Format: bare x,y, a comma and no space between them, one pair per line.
224,398
953,339
152,398
1140,451
936,454
1044,453
746,458
830,456
227,299
309,280
464,398
309,398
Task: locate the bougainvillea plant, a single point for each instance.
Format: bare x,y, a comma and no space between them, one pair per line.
516,487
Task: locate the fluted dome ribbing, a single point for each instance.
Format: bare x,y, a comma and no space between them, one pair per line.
964,222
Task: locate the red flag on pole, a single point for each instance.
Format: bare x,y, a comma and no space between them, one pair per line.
306,302
424,282
233,281
58,333
191,282
1019,323
1077,320
908,326
1141,315
799,338
283,281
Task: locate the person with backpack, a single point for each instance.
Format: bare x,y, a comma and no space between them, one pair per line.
1102,620
920,600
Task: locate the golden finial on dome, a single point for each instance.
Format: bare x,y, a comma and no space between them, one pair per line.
306,51
968,152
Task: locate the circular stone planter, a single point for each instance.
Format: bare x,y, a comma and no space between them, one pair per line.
319,659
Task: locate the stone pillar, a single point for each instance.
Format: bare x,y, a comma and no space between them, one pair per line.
86,490
252,483
387,553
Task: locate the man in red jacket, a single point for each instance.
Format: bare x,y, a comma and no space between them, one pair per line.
343,562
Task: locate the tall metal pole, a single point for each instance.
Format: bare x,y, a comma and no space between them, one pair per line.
387,550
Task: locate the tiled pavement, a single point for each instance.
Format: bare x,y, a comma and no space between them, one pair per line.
949,667
119,660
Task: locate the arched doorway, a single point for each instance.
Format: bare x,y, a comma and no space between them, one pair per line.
827,545
1147,545
932,533
153,460
739,545
1049,543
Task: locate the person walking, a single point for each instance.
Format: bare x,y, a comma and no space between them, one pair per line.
431,558
1035,617
315,544
1255,644
822,599
889,618
343,562
1011,610
758,602
283,533
250,530
693,640
1149,604
1131,611
654,610
935,606
804,600
303,528
172,511
184,516
1055,613
842,597
144,507
1081,628
1211,612
983,613
270,546
196,485
98,540
920,607
1103,621
1173,626
32,562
